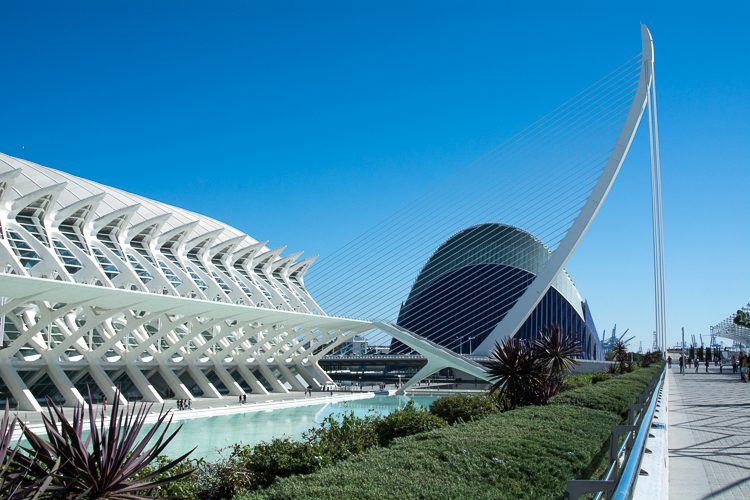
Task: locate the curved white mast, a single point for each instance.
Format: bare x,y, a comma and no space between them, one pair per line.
521,310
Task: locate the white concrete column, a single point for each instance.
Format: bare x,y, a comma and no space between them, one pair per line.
308,376
234,388
64,385
251,380
209,390
289,376
16,386
174,383
320,375
268,374
141,383
104,382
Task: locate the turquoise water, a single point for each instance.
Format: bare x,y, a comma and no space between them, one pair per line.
210,434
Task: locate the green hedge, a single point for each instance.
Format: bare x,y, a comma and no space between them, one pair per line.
525,453
612,395
529,452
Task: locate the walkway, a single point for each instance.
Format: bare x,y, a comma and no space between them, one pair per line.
709,434
209,407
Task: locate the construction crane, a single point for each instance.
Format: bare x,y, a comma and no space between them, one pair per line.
693,344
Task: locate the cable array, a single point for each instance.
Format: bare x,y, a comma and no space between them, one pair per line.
536,181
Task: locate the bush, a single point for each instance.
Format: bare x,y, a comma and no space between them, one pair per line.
339,440
576,381
600,377
612,395
526,453
405,422
463,408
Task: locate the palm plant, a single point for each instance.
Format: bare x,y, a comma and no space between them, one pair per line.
104,463
20,476
620,352
557,351
518,377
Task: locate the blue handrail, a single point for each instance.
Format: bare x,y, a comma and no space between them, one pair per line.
624,488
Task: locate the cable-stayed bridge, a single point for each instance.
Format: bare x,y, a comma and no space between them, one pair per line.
103,288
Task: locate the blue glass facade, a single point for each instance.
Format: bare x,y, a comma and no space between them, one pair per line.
469,285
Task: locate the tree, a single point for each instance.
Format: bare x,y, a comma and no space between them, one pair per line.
700,353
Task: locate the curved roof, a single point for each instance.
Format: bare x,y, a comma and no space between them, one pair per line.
33,177
493,243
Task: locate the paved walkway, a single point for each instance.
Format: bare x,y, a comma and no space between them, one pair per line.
709,434
208,407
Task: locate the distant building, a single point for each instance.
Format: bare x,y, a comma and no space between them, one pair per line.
473,279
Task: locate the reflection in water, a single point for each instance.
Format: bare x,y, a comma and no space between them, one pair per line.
210,434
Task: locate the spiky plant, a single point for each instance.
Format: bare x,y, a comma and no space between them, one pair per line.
20,476
517,376
11,478
103,463
620,353
557,351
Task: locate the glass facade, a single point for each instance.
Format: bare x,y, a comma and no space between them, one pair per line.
473,280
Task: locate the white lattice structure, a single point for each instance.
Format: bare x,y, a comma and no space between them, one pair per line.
103,289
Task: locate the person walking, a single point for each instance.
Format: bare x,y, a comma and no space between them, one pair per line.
697,365
707,364
669,362
734,364
682,365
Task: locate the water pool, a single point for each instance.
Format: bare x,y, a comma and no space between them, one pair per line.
210,434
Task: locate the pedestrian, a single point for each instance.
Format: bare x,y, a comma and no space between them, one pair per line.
734,364
697,365
707,364
244,399
682,365
669,362
239,399
104,403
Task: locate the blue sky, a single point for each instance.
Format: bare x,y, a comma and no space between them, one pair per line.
306,122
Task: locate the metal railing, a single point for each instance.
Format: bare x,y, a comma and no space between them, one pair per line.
627,444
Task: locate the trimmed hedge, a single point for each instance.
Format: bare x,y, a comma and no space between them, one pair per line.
463,407
613,395
526,453
529,452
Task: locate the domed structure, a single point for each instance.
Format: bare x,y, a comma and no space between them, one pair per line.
473,279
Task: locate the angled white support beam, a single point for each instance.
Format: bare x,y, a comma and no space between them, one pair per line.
251,379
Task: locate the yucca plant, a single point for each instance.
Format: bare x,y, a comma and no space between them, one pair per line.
518,377
20,476
103,464
620,355
557,351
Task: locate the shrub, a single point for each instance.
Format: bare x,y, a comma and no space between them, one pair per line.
405,422
600,377
339,440
526,453
612,395
281,458
576,381
463,408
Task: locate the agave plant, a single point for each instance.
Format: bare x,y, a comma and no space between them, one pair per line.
11,479
20,476
103,464
620,355
518,377
557,351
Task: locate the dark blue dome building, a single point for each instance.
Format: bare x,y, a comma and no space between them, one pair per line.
473,279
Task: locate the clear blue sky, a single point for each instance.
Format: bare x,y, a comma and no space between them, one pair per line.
289,120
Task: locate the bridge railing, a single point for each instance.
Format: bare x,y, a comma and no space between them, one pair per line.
627,445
